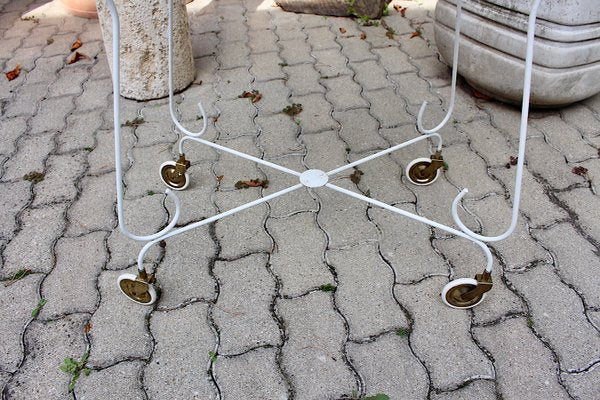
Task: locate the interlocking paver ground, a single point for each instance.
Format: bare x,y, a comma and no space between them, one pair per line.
313,295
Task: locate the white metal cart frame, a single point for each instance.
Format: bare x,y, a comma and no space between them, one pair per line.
459,293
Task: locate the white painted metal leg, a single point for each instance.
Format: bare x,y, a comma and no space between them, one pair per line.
454,78
522,140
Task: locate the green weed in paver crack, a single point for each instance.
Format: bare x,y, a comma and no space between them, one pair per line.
402,332
529,322
36,311
328,287
390,32
293,110
34,177
20,274
150,193
386,10
378,396
75,368
363,19
213,356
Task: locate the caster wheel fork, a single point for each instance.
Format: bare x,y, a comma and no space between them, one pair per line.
424,171
139,289
467,293
174,175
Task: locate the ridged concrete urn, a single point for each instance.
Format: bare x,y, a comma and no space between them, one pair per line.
566,64
144,62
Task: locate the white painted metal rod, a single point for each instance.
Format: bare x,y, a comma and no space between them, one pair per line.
171,106
212,219
237,153
418,218
454,78
386,151
117,127
522,141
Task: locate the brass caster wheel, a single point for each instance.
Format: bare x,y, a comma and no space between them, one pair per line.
137,290
173,177
453,292
418,173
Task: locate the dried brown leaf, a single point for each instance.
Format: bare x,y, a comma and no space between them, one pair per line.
252,183
87,328
14,73
415,34
257,98
356,176
343,30
77,56
363,36
220,178
478,95
76,45
579,170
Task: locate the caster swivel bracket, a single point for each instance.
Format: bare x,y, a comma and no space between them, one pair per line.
484,284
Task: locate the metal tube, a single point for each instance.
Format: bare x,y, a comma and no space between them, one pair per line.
418,218
454,78
214,218
117,127
522,141
386,151
170,57
239,154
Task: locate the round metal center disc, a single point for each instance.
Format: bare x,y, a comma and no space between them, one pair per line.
314,178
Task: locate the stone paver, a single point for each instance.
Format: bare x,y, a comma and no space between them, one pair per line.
363,294
253,375
60,179
344,93
78,262
405,245
313,295
32,151
242,316
16,302
576,260
129,326
32,246
182,342
525,367
483,390
298,278
195,265
48,344
312,354
577,347
389,366
455,358
113,383
16,196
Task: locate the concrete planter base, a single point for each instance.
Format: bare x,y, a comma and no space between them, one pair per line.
144,62
566,65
